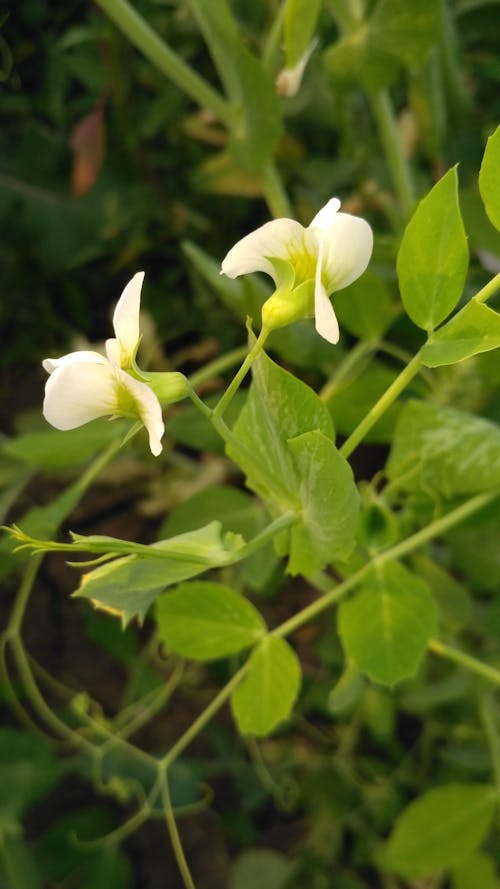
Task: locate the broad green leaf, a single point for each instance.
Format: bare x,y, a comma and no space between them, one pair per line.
267,692
256,124
385,627
52,449
478,535
442,450
355,58
128,586
263,868
478,870
476,328
330,504
433,257
206,621
440,829
489,178
28,770
452,598
365,307
300,23
404,30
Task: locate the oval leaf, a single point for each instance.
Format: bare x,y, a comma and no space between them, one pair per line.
489,178
475,329
440,829
205,621
433,256
386,626
267,692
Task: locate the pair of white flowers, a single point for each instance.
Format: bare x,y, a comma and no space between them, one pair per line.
306,264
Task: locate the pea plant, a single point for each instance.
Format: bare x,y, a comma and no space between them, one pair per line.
398,567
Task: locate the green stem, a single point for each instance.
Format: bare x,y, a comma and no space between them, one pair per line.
165,59
203,719
213,368
241,373
272,46
464,660
434,529
382,405
174,833
280,524
488,290
274,193
391,142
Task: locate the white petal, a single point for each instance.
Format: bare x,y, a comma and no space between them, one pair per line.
324,316
80,391
148,409
348,245
280,238
51,364
126,315
326,215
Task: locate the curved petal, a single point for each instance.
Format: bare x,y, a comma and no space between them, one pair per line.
279,238
126,318
148,409
326,215
80,391
348,244
51,364
324,316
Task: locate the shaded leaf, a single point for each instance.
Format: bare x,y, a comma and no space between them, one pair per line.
489,178
268,690
475,329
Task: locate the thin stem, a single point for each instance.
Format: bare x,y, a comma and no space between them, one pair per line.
391,142
213,368
241,373
464,660
174,833
434,529
23,594
280,524
204,718
382,405
488,290
165,59
274,193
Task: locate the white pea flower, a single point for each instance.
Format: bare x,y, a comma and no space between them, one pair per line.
307,265
85,385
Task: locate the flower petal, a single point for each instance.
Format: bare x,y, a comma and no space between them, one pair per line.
326,215
80,391
348,245
51,364
126,322
148,409
277,238
324,316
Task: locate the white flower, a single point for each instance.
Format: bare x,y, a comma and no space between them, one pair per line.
85,385
307,264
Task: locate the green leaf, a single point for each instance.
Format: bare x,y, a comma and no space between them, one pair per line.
440,829
355,58
28,770
264,868
433,257
365,307
479,534
205,621
437,449
52,449
386,626
300,23
17,863
330,504
478,870
489,178
128,586
256,125
268,690
476,328
406,31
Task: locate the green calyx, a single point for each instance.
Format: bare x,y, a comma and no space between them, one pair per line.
168,387
286,306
